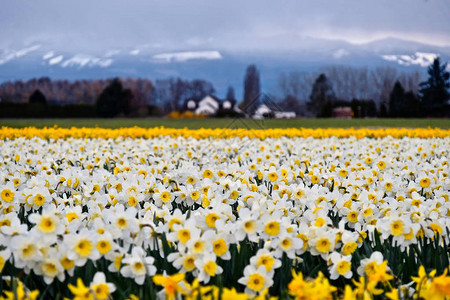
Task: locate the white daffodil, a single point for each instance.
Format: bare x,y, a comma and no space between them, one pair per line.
184,232
115,257
183,261
163,196
340,266
123,221
287,243
207,267
26,250
81,247
220,243
247,225
323,242
138,266
367,265
48,223
255,279
50,267
7,193
102,289
12,226
272,225
267,259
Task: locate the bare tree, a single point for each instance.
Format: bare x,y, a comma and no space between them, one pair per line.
348,82
297,85
411,80
383,79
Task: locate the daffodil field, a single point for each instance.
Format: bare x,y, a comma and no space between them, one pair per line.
134,213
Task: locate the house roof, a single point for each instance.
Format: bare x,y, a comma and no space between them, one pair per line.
271,106
219,101
214,97
209,102
196,100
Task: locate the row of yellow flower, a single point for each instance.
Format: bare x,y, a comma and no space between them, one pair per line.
139,132
429,287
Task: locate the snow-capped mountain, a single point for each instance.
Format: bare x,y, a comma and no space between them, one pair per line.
188,55
78,60
220,66
418,58
9,55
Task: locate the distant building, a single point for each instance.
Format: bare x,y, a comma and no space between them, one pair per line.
265,112
208,106
211,106
342,112
285,115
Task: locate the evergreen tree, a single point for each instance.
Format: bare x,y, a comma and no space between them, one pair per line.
322,97
356,108
371,109
434,92
37,97
252,90
230,94
383,111
413,103
113,100
398,107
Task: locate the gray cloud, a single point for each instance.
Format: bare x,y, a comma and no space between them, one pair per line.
179,25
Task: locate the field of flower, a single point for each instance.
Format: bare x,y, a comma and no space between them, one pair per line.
134,213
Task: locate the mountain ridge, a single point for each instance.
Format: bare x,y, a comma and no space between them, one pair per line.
220,66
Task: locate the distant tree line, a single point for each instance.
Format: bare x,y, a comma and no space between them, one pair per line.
63,92
345,85
171,93
138,97
382,92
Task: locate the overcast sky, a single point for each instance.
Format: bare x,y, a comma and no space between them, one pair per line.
180,25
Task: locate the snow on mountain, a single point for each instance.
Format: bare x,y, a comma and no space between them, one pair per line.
8,55
56,60
221,67
340,53
419,58
189,55
48,55
80,61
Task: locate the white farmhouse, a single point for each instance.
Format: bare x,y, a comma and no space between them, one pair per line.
212,106
208,106
285,115
264,111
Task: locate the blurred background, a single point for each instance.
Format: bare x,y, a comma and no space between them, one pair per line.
198,58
